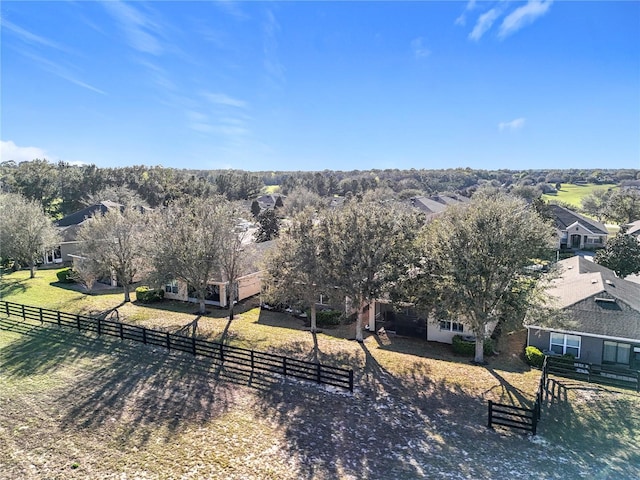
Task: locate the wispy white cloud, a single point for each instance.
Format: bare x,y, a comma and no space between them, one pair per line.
60,71
419,48
140,30
272,65
523,16
10,151
29,37
226,100
512,126
231,8
226,116
462,19
484,23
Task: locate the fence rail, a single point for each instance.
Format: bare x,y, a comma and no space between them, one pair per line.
586,371
520,417
513,417
255,361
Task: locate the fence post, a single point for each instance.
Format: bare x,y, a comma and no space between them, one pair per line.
40,311
318,373
168,341
534,423
120,331
99,329
144,335
351,381
58,312
252,361
6,308
23,314
193,345
221,353
78,321
284,366
490,413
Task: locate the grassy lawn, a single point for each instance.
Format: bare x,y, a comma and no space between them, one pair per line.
119,409
268,189
573,194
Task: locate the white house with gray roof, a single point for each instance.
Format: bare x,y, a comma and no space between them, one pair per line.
578,231
597,316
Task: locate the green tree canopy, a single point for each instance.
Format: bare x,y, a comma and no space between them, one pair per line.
473,259
621,254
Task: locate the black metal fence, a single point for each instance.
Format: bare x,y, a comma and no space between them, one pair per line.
588,372
254,360
520,417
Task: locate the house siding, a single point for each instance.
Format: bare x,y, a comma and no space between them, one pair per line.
590,347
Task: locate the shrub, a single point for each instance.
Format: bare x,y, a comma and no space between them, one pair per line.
65,275
149,295
534,356
468,347
327,318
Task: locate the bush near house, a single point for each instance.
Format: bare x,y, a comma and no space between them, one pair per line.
534,356
65,275
327,318
145,294
467,347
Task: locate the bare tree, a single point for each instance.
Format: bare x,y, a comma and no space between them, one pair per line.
231,249
294,270
25,230
195,240
115,242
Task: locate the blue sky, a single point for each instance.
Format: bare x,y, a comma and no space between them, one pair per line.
322,85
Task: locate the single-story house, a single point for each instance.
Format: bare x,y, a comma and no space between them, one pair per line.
249,283
408,322
596,316
68,228
577,231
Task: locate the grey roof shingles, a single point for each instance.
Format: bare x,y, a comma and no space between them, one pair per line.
564,218
579,291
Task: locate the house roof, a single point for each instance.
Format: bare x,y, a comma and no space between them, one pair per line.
78,217
436,203
594,300
254,256
581,278
633,228
565,218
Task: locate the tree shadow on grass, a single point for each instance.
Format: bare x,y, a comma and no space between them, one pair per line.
510,394
391,427
12,287
602,422
144,390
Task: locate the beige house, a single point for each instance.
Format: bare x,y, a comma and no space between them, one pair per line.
578,231
248,285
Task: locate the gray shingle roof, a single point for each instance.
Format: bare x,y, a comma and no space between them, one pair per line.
564,218
633,228
78,217
594,300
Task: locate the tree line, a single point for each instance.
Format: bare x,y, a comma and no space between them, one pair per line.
63,188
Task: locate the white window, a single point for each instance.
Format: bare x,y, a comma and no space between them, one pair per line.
171,287
451,326
565,344
615,352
